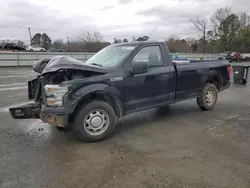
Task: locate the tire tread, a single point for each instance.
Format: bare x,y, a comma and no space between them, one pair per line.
201,99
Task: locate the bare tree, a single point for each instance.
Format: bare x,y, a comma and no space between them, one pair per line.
244,19
87,42
201,26
59,44
190,42
229,30
97,36
219,16
20,43
171,42
218,20
94,37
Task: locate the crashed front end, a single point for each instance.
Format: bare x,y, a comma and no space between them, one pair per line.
49,91
47,105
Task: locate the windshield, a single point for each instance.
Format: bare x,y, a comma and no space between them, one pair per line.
110,56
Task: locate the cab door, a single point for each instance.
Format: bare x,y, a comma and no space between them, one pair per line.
149,88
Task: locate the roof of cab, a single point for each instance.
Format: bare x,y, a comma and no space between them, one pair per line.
136,43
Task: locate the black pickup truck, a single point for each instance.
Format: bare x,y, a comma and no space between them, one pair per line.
88,98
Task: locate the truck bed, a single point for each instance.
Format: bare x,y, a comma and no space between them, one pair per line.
191,76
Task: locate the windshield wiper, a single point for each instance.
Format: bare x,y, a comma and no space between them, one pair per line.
99,65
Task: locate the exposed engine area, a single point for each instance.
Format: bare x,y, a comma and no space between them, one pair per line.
63,75
68,74
56,78
56,70
63,68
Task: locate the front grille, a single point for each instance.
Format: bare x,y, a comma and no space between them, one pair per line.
33,85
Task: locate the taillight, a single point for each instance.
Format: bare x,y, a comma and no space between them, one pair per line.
229,70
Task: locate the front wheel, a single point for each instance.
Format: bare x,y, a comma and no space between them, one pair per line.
208,97
94,121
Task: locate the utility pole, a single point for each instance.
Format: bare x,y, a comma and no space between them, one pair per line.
29,34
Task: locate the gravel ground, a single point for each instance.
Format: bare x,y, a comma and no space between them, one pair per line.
175,147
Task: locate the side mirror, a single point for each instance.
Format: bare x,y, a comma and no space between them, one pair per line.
139,68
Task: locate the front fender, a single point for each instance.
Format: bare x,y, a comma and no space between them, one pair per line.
86,91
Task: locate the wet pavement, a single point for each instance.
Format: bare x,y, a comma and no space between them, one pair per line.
177,146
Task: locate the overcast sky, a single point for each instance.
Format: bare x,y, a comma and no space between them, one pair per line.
158,19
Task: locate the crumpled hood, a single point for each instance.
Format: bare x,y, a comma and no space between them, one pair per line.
39,65
64,62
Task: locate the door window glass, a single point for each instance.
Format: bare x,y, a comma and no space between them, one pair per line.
150,55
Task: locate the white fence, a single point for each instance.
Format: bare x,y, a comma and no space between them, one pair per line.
27,58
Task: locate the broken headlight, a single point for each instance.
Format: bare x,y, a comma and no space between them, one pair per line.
55,94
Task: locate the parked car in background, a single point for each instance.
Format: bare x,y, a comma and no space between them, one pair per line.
35,49
11,47
178,59
224,55
234,57
54,50
245,56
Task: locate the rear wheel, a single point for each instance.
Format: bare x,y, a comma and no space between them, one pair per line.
208,97
94,121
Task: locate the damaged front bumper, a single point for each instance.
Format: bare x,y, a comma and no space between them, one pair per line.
53,116
58,117
26,111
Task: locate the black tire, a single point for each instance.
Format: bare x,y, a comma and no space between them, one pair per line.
203,102
80,127
63,129
60,129
31,50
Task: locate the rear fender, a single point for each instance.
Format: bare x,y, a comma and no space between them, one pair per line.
214,76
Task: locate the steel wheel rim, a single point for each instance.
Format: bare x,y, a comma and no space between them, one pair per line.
210,96
96,122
